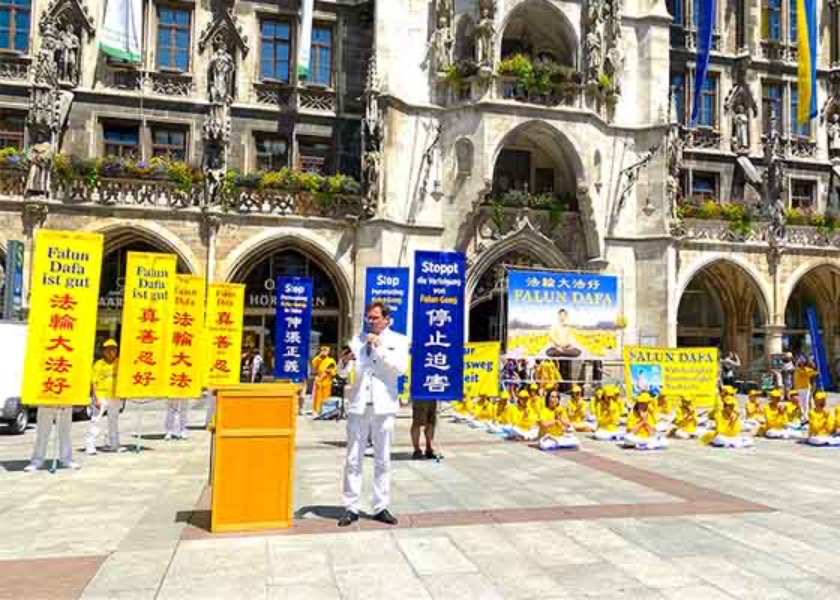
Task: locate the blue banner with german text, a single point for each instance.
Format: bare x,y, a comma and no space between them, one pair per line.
437,346
292,326
389,285
563,315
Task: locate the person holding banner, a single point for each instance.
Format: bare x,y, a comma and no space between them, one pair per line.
821,424
641,427
378,359
63,418
103,399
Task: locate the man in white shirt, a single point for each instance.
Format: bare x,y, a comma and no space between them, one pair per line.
378,357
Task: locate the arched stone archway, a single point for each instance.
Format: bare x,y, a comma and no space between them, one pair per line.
119,234
487,285
539,29
723,303
258,267
816,284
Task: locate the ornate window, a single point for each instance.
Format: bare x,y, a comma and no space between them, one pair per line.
771,20
14,25
320,58
170,142
121,140
173,39
708,114
272,151
772,96
704,187
802,194
314,154
275,50
11,129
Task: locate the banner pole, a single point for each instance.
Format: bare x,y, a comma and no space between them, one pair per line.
54,425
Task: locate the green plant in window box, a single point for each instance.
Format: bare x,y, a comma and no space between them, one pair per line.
709,210
731,211
497,214
518,66
13,159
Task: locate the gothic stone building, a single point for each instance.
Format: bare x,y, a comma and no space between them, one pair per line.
551,133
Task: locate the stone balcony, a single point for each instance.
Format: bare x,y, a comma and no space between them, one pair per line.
755,233
154,195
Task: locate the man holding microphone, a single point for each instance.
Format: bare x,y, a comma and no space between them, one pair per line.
377,358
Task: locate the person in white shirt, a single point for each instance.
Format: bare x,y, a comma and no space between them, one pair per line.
378,357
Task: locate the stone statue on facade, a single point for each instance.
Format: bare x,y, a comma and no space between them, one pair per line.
674,161
775,178
740,129
40,164
373,128
613,19
69,52
595,13
221,74
594,53
485,33
214,173
46,68
614,67
834,136
440,46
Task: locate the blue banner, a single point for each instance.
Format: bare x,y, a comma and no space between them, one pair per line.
389,285
823,376
293,324
437,346
705,25
563,315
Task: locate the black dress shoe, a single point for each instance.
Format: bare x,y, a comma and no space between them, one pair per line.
431,455
348,518
418,454
384,516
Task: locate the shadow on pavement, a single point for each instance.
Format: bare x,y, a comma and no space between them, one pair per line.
324,512
13,465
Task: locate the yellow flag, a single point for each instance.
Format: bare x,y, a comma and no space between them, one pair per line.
223,331
185,365
148,306
62,317
481,368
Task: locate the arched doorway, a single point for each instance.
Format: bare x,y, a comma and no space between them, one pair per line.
722,306
819,288
540,31
330,300
112,278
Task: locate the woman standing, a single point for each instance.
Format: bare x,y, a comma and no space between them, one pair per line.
729,369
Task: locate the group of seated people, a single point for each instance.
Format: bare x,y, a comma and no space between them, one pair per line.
539,414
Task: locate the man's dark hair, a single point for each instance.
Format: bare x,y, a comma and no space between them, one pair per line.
383,308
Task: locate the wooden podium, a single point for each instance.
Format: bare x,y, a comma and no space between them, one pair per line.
253,457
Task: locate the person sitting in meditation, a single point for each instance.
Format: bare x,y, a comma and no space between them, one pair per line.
821,424
561,338
555,425
728,426
608,411
685,421
576,409
641,431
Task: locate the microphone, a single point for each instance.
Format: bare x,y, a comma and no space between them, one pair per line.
368,348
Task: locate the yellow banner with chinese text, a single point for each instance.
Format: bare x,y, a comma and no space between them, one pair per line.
62,318
223,333
148,306
689,372
185,365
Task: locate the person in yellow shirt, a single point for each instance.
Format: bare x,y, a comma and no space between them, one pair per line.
547,374
513,413
685,420
775,419
477,410
499,414
555,425
728,426
576,409
536,399
803,378
641,427
752,411
488,413
821,423
524,420
793,408
663,410
464,410
103,396
324,367
608,410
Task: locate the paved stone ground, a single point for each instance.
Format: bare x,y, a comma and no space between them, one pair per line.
491,520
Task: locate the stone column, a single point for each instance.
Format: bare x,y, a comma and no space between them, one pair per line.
773,336
211,220
34,215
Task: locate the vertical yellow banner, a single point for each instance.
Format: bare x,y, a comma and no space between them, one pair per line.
223,332
148,305
481,368
62,317
185,365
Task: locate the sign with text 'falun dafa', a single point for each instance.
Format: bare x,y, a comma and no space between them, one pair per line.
148,307
62,318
